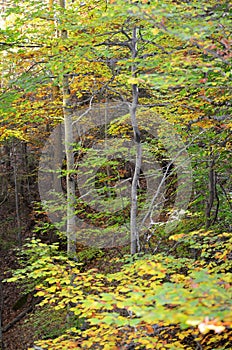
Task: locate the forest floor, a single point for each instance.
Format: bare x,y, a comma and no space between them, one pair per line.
15,333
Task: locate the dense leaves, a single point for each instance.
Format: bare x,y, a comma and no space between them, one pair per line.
153,301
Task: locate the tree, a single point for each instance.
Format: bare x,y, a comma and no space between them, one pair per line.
135,246
68,113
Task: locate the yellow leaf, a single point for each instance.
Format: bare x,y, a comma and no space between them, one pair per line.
52,289
155,31
193,322
40,293
133,81
124,289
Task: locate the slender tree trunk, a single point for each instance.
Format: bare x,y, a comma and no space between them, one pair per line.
135,246
71,220
58,138
16,189
26,173
57,158
68,128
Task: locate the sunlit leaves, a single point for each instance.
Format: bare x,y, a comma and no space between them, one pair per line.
147,298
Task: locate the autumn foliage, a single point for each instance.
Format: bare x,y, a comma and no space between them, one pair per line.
175,293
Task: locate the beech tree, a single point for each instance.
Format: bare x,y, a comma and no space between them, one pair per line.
68,121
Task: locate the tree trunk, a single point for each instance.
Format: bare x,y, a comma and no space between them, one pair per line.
68,129
16,164
135,246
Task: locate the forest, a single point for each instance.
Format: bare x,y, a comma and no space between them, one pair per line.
115,175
